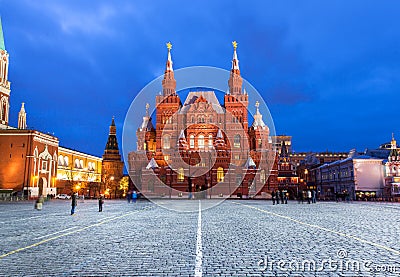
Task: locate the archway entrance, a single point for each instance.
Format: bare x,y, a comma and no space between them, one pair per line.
43,186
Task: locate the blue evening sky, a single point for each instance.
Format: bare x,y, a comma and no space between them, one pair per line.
328,70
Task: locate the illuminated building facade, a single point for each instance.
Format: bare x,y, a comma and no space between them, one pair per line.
214,143
28,162
77,171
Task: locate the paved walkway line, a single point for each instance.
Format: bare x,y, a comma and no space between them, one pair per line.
69,233
323,228
198,270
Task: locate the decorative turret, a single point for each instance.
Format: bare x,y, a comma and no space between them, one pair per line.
235,80
22,117
169,82
394,152
258,122
182,142
146,123
220,141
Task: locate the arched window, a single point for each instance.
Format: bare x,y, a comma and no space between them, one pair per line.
166,142
66,161
181,175
262,176
220,174
80,164
210,119
60,160
191,141
236,141
210,141
76,163
192,119
200,141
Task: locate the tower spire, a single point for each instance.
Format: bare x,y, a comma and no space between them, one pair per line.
393,142
235,80
169,60
169,82
235,61
22,117
2,45
112,144
4,83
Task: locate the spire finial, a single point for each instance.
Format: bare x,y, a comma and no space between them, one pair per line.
392,136
234,44
147,109
257,104
169,46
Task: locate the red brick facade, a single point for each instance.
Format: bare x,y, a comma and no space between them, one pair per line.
203,145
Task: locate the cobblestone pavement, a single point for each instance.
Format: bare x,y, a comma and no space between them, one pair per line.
235,238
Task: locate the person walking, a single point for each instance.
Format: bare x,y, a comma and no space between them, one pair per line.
314,196
134,196
286,196
74,203
101,202
277,197
273,197
129,197
282,197
308,196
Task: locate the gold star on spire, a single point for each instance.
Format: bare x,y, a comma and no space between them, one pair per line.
234,43
257,104
169,46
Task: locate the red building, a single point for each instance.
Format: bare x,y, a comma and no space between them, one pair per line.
202,146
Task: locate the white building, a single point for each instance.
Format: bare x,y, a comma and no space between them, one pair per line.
359,177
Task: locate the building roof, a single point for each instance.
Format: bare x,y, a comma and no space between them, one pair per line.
152,164
209,96
378,153
249,163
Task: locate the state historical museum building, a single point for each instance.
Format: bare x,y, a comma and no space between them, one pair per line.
203,147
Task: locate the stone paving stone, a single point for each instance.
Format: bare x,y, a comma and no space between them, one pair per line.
154,241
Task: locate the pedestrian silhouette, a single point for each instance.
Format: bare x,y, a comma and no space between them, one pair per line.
101,202
134,196
273,197
73,203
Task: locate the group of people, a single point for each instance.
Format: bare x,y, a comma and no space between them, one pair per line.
282,196
309,195
132,196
